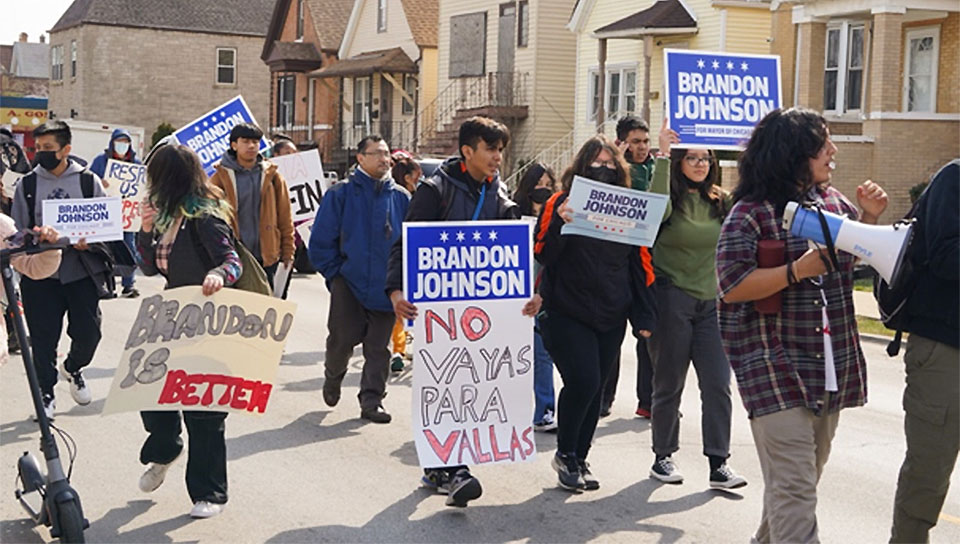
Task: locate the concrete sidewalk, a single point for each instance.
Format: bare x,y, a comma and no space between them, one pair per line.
865,305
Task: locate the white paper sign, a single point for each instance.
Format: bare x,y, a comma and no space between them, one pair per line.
10,181
303,173
93,219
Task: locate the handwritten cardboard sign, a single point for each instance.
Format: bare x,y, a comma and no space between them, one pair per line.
303,173
187,351
129,182
473,359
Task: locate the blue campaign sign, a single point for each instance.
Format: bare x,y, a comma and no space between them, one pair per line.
209,134
713,100
617,214
467,260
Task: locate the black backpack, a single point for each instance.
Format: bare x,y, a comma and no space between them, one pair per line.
893,298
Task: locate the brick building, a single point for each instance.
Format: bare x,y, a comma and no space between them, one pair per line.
886,77
146,62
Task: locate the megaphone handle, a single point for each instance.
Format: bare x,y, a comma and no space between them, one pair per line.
833,264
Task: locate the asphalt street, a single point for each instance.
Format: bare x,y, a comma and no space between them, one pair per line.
304,472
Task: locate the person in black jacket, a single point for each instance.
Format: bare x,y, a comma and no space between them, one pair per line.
184,226
589,288
464,188
932,396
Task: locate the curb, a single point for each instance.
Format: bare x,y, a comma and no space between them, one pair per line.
876,338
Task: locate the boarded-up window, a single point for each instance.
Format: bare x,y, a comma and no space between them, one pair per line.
468,44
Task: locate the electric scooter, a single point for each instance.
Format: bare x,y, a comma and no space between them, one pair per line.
48,499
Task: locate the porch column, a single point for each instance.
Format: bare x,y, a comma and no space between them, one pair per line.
885,58
647,50
602,84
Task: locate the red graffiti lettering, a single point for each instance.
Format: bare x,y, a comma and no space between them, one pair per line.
239,394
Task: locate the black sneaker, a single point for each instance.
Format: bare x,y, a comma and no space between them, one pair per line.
463,488
605,409
665,471
49,406
331,392
725,478
436,479
568,472
130,292
590,483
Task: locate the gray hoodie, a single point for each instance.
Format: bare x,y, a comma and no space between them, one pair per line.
249,183
50,187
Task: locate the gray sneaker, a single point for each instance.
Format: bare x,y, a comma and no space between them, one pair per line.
568,472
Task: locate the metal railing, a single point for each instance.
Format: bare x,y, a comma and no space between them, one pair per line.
398,134
494,89
557,155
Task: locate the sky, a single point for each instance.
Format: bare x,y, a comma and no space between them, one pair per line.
31,16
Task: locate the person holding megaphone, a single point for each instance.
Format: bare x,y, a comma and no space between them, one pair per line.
786,314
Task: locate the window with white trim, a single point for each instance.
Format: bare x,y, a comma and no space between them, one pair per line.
226,66
381,15
73,58
299,19
362,96
286,92
843,67
410,87
56,63
922,55
620,90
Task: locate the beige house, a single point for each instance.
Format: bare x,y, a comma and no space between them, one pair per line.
887,77
157,61
387,68
620,52
509,60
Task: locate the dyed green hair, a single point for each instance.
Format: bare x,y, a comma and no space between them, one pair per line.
178,187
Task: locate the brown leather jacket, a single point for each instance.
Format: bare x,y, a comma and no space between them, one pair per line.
276,225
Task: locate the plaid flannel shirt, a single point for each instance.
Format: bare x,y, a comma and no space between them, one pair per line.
779,359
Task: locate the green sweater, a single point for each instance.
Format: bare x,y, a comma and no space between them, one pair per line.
686,248
640,174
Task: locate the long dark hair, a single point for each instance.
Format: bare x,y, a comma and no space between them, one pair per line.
178,186
403,165
776,164
708,188
527,183
588,153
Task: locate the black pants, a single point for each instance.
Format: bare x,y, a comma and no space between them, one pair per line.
644,378
206,454
584,356
45,302
349,323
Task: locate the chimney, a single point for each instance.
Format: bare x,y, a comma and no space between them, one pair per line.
43,38
23,36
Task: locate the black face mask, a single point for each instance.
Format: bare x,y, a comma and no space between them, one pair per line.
540,195
47,159
603,175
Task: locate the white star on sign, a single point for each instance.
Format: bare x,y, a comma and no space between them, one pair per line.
700,63
223,114
493,235
476,236
196,129
743,66
205,124
460,236
715,65
444,236
729,65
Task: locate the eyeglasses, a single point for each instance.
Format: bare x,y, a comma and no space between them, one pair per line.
379,154
604,164
693,160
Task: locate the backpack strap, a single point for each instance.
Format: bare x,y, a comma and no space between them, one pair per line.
86,183
29,184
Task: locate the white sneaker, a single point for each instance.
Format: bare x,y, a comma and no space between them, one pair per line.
154,475
78,386
204,509
546,424
49,406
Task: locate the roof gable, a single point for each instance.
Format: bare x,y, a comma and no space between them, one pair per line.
241,17
663,14
423,18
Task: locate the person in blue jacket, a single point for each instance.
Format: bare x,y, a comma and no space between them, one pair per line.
356,226
120,148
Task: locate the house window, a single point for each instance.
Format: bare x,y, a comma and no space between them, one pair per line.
73,58
286,91
621,92
299,19
843,67
362,96
613,94
523,24
381,15
630,90
594,93
56,62
410,87
922,50
226,66
468,44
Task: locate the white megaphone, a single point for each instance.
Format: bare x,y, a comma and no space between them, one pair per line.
881,247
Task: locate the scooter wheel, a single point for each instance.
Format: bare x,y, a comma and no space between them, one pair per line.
71,523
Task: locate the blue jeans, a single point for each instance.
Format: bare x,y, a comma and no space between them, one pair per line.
542,377
130,239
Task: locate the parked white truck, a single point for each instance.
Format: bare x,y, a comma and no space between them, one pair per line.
91,138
